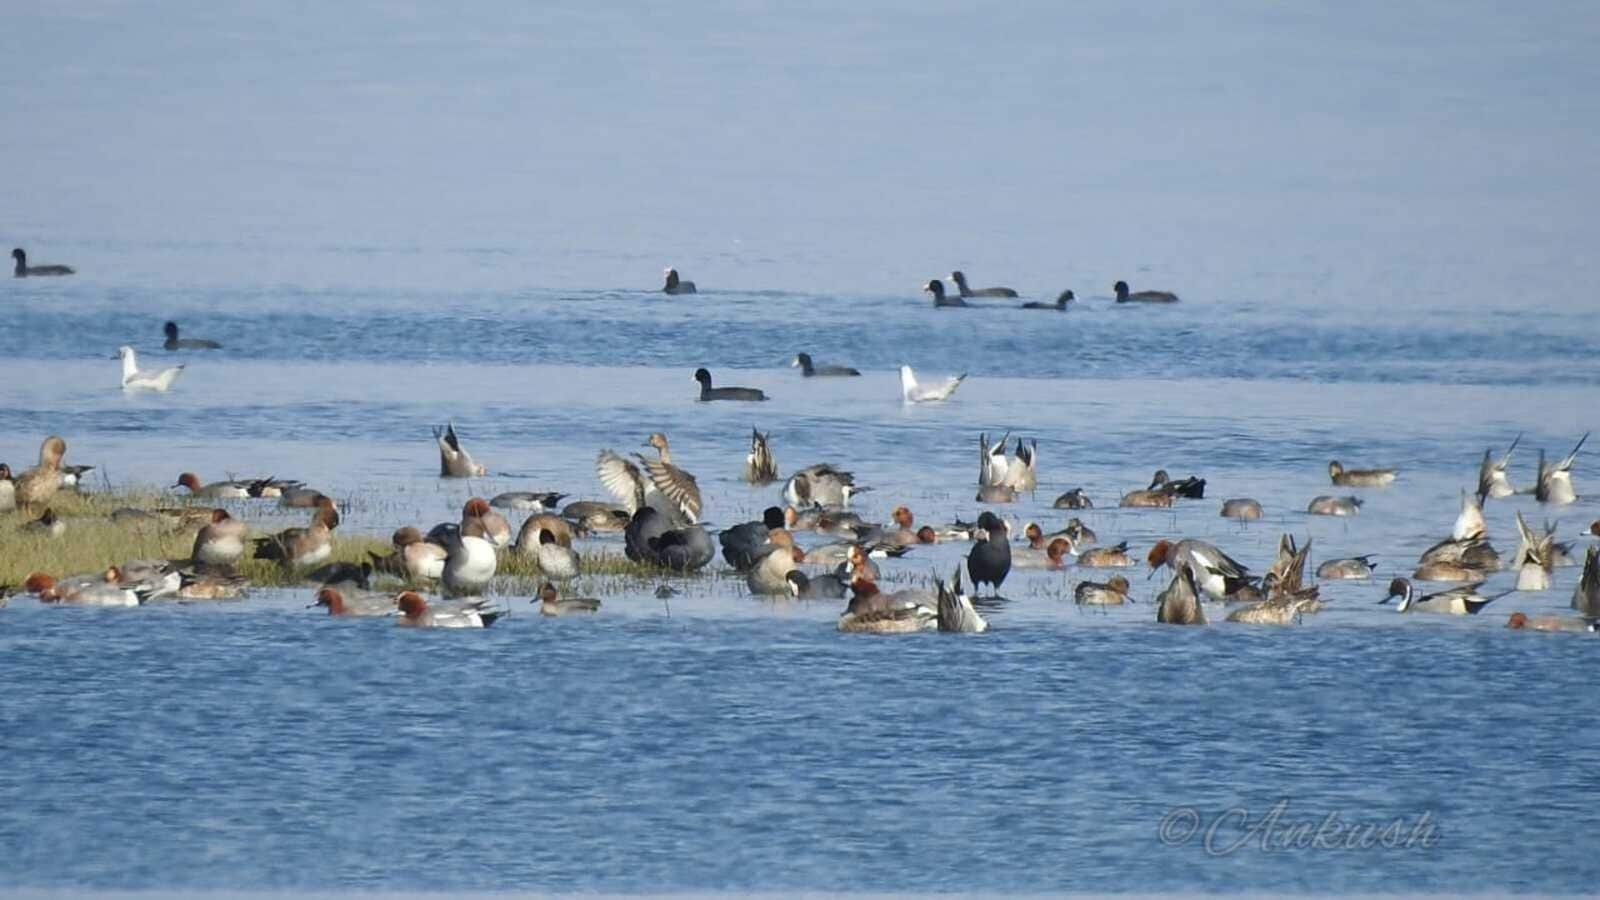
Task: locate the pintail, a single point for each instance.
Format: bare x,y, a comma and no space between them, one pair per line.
668,488
419,613
955,612
133,379
1459,601
556,561
821,485
1019,473
1343,477
596,516
1179,603
911,391
47,525
454,460
8,489
469,561
1586,595
808,369
72,476
1535,557
551,603
1555,480
1327,505
218,490
533,527
1492,478
1352,567
1113,592
959,278
527,501
1241,508
759,466
1125,296
819,587
769,574
1469,522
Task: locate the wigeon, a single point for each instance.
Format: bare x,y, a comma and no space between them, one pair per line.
1353,567
220,544
218,490
1214,572
133,379
1113,592
454,460
1145,499
419,613
874,612
551,603
1328,505
1551,623
418,560
211,586
355,603
1114,557
81,590
759,466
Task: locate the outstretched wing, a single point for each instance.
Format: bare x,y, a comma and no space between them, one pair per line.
676,485
621,478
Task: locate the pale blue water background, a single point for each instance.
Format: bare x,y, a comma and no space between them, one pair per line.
1381,223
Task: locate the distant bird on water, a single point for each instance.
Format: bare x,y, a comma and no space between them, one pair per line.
676,285
961,285
1123,296
23,270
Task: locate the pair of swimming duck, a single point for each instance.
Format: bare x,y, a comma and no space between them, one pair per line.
1120,289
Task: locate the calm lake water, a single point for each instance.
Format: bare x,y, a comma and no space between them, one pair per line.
1381,225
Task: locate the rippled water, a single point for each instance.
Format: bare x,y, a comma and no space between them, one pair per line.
1382,237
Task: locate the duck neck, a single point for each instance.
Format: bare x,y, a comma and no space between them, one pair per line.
130,367
22,264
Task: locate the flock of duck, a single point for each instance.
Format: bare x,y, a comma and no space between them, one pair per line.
811,547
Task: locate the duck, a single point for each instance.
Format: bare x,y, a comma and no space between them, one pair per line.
823,485
101,590
342,574
47,525
469,561
1586,594
527,501
219,544
176,343
1343,477
1052,556
1145,499
759,466
210,586
1284,608
709,393
301,548
416,612
676,285
769,575
23,270
556,561
913,392
1327,505
871,611
596,516
1446,570
1062,299
496,530
1492,479
1555,481
669,489
821,587
1179,603
940,301
1535,557
960,280
1469,522
1475,553
1022,472
996,493
1080,534
1241,508
1459,601
454,460
1214,572
135,380
1073,499
989,562
741,543
1121,289
8,490
1112,592
72,476
1351,567
414,559
802,361
1115,557
216,490
955,612
1551,623
1191,488
301,498
273,488
527,543
355,603
35,487
551,603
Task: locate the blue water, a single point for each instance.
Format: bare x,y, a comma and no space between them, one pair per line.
392,216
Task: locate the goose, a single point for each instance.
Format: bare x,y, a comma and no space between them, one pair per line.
1555,481
912,392
1121,289
1343,477
551,603
759,466
174,342
416,612
1492,479
667,488
1459,601
454,460
960,280
135,380
36,486
1062,299
802,361
1241,508
23,270
940,301
1327,505
1353,567
955,612
676,285
709,393
1179,603
1113,592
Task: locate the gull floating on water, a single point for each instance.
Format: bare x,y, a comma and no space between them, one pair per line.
913,392
135,380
